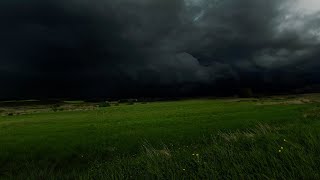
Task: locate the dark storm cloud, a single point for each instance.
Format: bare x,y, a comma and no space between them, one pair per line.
104,47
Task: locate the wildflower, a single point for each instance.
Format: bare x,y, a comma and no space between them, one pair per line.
281,147
197,154
285,140
193,154
184,169
279,151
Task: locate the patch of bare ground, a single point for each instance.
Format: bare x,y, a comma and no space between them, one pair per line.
286,101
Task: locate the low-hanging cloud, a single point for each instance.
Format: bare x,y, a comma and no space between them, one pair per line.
110,48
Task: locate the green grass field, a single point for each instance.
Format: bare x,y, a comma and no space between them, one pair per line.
270,138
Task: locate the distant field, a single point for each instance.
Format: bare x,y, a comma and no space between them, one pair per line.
268,138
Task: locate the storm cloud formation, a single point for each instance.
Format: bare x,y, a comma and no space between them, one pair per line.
82,48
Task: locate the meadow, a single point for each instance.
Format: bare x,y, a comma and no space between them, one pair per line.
257,138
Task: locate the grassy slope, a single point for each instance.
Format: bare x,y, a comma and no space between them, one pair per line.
157,140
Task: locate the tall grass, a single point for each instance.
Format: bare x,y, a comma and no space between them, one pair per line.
263,152
173,140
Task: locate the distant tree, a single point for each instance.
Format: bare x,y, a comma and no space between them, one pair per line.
128,101
245,93
132,101
55,107
105,104
123,101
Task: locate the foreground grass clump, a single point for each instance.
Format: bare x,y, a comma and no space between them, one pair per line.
194,139
240,155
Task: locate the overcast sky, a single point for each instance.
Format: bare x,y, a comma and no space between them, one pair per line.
88,48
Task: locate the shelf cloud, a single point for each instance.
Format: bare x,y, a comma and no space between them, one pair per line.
81,48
